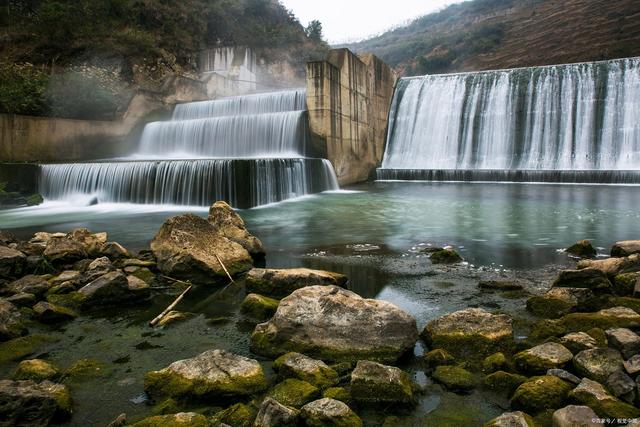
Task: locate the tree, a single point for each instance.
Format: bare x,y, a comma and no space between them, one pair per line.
314,30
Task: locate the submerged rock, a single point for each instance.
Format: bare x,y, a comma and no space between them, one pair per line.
296,365
439,357
11,322
541,393
274,414
582,249
625,248
182,419
590,278
30,404
331,323
539,359
512,419
454,378
214,373
259,307
294,392
280,283
12,262
598,363
373,382
445,256
595,396
230,225
187,247
37,370
329,412
574,416
470,334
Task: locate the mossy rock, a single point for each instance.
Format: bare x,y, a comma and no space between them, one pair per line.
145,275
238,415
338,393
373,383
595,396
86,369
166,407
34,200
549,308
259,307
624,284
495,362
582,249
503,381
445,256
72,300
628,302
329,413
36,370
617,317
439,357
342,368
599,335
513,419
182,419
539,359
293,392
453,411
454,378
315,372
19,348
541,393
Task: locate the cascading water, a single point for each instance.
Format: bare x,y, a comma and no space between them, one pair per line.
248,150
521,124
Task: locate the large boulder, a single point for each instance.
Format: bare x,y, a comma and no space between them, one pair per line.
594,395
472,333
188,247
296,365
598,363
613,266
574,416
274,414
590,278
625,248
331,323
329,413
212,374
230,225
11,322
373,382
12,262
539,359
30,404
280,283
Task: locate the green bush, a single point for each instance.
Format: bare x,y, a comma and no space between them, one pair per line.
22,88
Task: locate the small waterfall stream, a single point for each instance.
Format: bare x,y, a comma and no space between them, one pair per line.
580,118
247,150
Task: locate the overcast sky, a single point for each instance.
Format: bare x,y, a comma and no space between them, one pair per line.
351,20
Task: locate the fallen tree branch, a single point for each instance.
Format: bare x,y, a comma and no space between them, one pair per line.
224,268
171,306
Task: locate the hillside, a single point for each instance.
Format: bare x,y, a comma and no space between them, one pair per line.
493,34
51,50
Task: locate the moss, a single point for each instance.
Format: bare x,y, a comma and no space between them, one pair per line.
167,406
238,415
613,409
36,370
321,377
19,348
454,378
338,393
580,322
531,364
165,383
549,308
628,302
85,369
34,200
445,256
624,284
541,393
439,357
63,399
145,275
174,420
495,362
471,348
72,300
503,381
259,307
293,392
598,335
342,368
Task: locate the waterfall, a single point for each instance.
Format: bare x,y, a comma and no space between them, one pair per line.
577,117
247,150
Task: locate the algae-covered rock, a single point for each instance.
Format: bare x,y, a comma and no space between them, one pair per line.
21,347
373,382
294,392
582,249
181,419
454,378
338,393
445,256
616,317
539,359
11,321
573,416
279,283
439,357
590,278
578,341
512,419
229,224
625,248
541,393
331,323
625,284
274,414
36,370
214,373
259,307
188,247
329,413
471,334
46,312
238,415
26,403
624,340
557,302
296,365
598,363
495,362
85,369
595,396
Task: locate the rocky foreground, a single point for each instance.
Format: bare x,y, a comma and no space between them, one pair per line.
334,354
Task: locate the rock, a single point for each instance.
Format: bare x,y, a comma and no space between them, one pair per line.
445,256
578,341
564,375
238,415
512,419
625,248
18,348
64,250
503,381
72,276
559,301
91,242
470,334
113,288
86,369
36,285
7,237
495,362
330,323
500,285
274,414
230,225
590,278
259,307
119,421
625,284
613,266
172,317
28,404
598,363
373,382
632,366
454,378
624,340
114,251
11,322
329,413
294,392
50,313
582,249
539,359
574,416
141,273
338,393
187,247
594,395
315,372
98,267
181,419
22,300
37,370
12,262
279,283
214,373
622,386
439,357
616,317
541,393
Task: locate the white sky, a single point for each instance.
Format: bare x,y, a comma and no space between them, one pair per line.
351,20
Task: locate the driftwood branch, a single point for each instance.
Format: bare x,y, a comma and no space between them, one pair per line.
171,306
224,268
